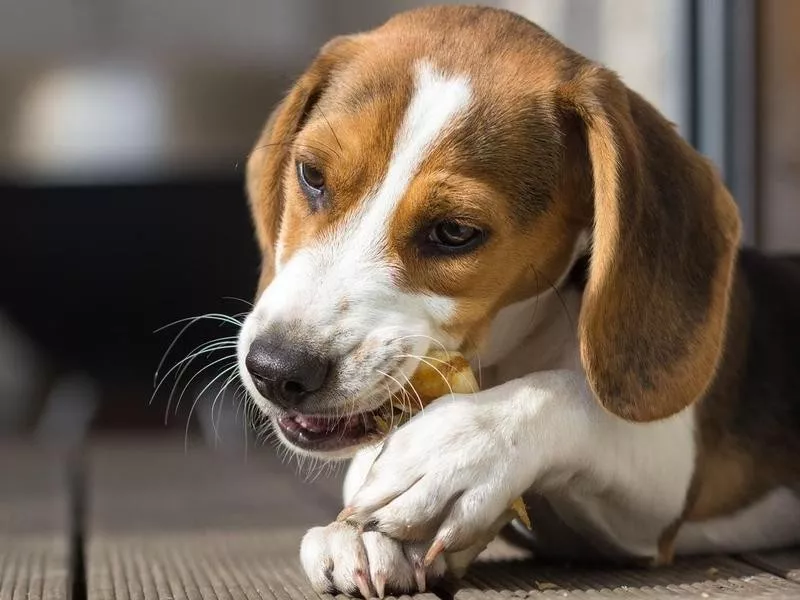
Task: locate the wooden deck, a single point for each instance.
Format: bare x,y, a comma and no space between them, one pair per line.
149,519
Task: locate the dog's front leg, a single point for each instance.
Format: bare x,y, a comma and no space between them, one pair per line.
449,474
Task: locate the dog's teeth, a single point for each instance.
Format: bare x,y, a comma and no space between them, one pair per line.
312,424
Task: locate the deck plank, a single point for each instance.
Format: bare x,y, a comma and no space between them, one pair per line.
198,525
34,524
785,563
504,573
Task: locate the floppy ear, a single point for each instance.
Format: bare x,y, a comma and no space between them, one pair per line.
665,237
267,162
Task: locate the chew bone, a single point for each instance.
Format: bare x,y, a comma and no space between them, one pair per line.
439,373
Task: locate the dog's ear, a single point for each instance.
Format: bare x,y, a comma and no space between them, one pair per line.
266,164
664,239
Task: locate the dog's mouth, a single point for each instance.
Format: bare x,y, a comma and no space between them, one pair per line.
342,434
322,433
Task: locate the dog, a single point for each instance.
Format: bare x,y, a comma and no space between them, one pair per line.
458,178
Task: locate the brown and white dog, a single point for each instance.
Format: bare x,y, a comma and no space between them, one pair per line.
459,178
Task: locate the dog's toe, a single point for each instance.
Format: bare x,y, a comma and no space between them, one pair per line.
339,558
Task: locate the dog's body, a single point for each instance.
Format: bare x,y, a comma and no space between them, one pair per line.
581,520
458,178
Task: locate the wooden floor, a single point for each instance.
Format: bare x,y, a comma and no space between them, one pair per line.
149,519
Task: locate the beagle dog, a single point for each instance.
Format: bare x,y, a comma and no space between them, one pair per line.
458,178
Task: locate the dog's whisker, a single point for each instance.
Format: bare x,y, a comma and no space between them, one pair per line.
204,348
240,395
178,378
536,304
391,412
416,393
200,372
238,400
425,360
221,317
220,394
335,137
255,420
427,337
416,356
223,373
182,368
191,321
561,300
400,386
322,149
405,394
320,467
237,299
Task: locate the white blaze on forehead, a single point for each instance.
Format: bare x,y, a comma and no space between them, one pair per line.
438,100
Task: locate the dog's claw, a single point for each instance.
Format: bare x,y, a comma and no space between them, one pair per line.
419,575
347,512
363,584
433,552
380,584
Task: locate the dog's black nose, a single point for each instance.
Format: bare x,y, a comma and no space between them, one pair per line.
283,373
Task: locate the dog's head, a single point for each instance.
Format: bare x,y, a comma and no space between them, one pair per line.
420,177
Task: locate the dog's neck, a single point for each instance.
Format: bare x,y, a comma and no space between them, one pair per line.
536,334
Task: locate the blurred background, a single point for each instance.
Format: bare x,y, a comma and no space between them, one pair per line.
125,125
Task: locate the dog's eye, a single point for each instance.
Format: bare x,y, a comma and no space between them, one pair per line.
311,178
452,236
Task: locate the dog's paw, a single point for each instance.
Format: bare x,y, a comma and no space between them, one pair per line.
339,558
447,475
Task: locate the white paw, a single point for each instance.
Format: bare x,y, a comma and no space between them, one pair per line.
339,558
448,475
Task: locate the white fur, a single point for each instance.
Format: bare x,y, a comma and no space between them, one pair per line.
350,264
536,334
544,323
